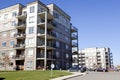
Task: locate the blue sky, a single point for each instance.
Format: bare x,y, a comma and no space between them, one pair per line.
98,21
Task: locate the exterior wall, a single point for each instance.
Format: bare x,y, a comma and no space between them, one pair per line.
28,54
7,27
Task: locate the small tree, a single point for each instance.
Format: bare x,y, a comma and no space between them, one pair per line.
6,61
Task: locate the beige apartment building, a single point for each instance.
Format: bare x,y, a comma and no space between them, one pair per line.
35,36
93,58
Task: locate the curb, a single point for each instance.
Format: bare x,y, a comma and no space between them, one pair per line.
69,76
73,76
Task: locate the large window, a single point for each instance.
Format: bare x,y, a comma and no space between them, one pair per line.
11,54
31,19
4,34
56,15
31,41
5,16
3,44
57,44
14,14
30,53
13,23
31,30
67,47
57,54
12,33
32,9
67,55
29,64
11,43
6,25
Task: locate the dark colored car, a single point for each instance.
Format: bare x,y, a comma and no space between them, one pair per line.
83,69
102,70
74,69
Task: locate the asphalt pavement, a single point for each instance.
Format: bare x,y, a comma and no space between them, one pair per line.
98,76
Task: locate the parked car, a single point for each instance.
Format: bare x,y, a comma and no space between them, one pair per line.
102,70
83,69
74,69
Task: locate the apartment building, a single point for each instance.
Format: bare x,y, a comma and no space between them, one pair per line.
35,36
94,58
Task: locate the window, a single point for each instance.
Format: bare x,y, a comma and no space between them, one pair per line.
30,52
31,30
29,64
57,54
6,25
5,16
57,34
31,19
56,15
30,41
32,9
3,44
57,44
67,47
11,54
67,55
14,14
4,34
12,43
12,33
13,23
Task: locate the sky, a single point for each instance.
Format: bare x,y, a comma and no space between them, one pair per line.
98,21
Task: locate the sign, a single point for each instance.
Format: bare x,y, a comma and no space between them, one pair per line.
52,66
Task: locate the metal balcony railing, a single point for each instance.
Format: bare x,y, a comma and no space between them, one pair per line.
73,28
74,44
40,55
19,46
74,36
20,57
20,35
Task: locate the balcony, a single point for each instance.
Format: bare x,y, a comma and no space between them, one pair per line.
73,36
19,46
42,46
49,36
40,56
74,44
22,16
42,24
19,57
73,29
21,26
20,36
42,15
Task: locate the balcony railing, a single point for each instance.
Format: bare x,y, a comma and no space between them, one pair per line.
21,25
49,25
20,35
74,44
73,29
40,55
41,44
17,46
42,14
18,57
22,15
74,36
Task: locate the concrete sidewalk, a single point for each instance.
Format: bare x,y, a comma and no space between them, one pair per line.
74,74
